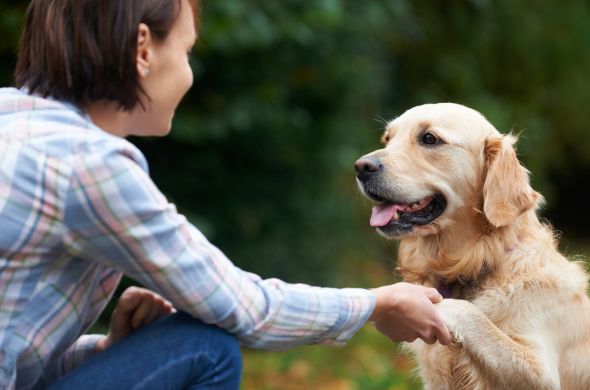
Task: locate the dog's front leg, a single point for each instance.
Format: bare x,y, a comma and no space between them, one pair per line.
513,364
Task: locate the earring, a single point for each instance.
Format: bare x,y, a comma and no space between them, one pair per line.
145,72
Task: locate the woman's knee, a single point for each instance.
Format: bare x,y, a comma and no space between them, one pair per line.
223,347
230,354
215,353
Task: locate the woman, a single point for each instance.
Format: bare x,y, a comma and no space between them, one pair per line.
78,210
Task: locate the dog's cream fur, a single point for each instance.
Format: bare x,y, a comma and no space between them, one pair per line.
523,317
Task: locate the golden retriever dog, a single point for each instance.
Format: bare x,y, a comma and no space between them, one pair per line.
451,187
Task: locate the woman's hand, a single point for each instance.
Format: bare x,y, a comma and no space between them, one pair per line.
405,312
136,307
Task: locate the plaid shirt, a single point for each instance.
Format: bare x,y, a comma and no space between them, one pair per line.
78,209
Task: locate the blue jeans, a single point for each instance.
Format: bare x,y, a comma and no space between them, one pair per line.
175,352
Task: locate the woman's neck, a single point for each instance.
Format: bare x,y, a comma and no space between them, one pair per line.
109,117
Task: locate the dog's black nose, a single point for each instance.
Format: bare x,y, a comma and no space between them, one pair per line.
365,167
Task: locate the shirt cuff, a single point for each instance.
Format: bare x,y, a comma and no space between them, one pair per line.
83,349
357,305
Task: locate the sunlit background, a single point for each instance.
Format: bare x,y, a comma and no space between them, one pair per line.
288,94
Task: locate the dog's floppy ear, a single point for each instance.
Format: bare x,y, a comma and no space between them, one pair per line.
506,190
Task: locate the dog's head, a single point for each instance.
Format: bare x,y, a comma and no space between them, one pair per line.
440,163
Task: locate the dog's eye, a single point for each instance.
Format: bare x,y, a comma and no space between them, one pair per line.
430,139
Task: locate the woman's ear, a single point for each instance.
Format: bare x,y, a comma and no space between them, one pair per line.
506,191
144,50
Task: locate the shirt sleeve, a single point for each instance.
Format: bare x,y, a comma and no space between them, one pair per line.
116,215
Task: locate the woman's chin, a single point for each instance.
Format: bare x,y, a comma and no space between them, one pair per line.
162,131
154,131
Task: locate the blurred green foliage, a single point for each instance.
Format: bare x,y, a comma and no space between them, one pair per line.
288,94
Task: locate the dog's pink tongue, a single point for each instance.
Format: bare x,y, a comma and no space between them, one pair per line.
384,213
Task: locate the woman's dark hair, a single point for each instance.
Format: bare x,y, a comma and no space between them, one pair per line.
85,50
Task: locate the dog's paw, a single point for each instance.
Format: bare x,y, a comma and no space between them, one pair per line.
457,314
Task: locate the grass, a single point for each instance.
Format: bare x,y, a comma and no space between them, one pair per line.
368,361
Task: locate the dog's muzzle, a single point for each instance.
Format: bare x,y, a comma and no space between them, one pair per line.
393,216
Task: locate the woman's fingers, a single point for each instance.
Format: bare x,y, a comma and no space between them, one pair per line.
142,312
434,295
150,307
159,308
